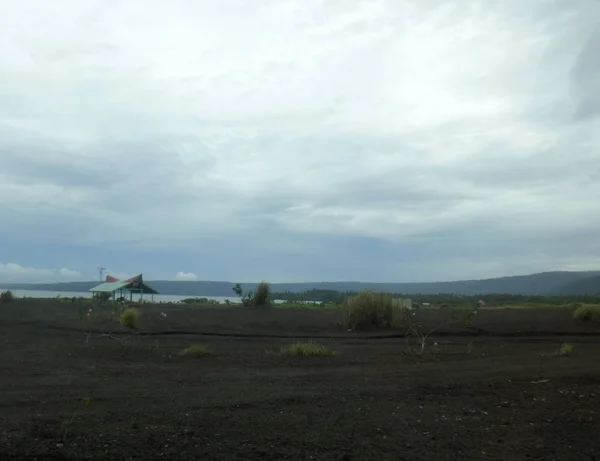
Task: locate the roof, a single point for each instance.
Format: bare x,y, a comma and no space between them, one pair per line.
134,284
109,287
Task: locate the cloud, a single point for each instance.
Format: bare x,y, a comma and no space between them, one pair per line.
12,272
68,273
584,78
186,276
430,141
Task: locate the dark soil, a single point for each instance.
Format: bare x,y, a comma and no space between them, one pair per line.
494,389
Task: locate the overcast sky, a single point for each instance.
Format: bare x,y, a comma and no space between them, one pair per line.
298,140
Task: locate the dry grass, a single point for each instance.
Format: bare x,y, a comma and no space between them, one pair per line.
196,350
307,349
368,310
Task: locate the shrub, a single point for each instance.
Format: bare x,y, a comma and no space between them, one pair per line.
262,295
130,318
372,310
196,350
587,313
6,296
200,301
307,349
565,349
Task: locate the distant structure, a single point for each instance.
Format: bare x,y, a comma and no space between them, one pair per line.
133,285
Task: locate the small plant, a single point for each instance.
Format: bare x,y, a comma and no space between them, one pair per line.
127,324
6,297
565,349
196,350
469,346
85,315
130,318
307,349
587,313
247,299
237,289
65,426
417,331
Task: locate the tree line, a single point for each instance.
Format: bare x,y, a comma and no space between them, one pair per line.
442,299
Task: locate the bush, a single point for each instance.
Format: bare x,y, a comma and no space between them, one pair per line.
587,313
262,295
196,350
260,298
6,296
200,301
307,349
372,310
130,318
565,349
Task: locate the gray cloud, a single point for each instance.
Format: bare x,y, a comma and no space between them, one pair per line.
585,76
325,133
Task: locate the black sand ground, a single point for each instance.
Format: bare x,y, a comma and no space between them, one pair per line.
492,390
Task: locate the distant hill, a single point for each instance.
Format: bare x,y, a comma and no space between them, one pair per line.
545,283
585,286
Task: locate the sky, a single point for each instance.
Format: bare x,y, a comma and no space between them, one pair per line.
298,140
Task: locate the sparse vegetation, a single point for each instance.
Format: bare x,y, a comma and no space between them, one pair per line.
418,331
6,297
196,350
181,400
130,318
247,299
565,349
260,298
368,310
587,313
205,301
65,426
307,349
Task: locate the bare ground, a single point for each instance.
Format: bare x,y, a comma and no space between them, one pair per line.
492,390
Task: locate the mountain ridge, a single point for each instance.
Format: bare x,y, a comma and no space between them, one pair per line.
541,283
585,286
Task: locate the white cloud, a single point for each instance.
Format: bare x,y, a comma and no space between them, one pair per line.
13,272
380,119
69,274
186,276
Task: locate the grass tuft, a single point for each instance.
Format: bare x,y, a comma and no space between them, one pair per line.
587,313
196,350
566,349
307,349
262,295
368,310
6,297
130,318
